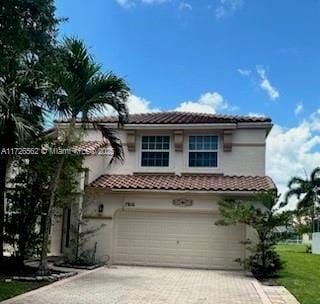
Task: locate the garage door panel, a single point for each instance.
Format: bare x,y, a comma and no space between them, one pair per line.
154,244
122,258
121,242
176,239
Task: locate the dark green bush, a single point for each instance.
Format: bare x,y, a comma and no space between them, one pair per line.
309,248
260,214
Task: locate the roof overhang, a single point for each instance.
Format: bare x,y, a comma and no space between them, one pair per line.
207,192
209,126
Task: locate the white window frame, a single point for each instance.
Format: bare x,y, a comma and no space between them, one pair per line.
154,150
209,150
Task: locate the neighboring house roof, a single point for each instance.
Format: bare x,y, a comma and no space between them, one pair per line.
89,147
184,182
181,118
283,229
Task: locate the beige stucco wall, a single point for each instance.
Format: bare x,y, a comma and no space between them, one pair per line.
97,165
246,158
105,222
56,233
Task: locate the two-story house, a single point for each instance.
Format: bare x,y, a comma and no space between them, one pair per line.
159,207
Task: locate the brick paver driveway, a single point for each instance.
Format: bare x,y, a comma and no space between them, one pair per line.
149,285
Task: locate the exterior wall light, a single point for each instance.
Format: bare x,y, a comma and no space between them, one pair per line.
100,209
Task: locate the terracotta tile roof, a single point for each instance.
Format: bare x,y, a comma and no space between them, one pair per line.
184,182
89,147
182,118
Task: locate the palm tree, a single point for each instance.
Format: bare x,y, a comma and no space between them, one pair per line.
83,92
307,191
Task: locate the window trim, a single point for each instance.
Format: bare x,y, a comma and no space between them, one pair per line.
211,150
155,150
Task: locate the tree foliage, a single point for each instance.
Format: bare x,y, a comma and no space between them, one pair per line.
27,39
306,190
26,27
27,44
25,202
39,75
29,195
299,219
260,215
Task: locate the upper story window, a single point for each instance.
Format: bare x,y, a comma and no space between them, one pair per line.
203,151
155,151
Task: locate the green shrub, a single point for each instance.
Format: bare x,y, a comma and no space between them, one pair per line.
264,263
309,248
261,215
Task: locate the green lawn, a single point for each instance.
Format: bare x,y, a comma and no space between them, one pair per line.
9,290
301,273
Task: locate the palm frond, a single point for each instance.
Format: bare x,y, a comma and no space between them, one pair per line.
115,143
289,194
79,63
297,182
22,127
107,90
307,201
82,88
304,189
3,99
315,177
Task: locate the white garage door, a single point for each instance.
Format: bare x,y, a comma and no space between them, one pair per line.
176,239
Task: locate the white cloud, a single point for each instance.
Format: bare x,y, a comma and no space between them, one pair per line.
299,108
227,8
293,151
266,85
126,3
210,102
185,6
154,1
132,3
139,105
244,72
135,105
253,114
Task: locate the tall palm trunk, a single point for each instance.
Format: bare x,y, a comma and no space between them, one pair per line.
43,267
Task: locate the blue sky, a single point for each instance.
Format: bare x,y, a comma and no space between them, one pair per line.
175,51
230,56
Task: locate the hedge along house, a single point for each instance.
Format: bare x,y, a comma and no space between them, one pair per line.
160,206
